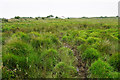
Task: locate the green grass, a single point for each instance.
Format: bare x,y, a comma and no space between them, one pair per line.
52,48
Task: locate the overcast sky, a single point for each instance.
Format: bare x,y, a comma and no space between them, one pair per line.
67,8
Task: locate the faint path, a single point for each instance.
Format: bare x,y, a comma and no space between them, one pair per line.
82,69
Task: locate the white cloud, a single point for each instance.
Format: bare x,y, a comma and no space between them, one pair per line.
68,8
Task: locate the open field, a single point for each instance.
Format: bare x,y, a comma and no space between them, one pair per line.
60,48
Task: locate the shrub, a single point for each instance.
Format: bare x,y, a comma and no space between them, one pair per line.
82,48
79,41
115,74
4,20
18,48
12,61
105,47
95,45
90,55
39,43
115,61
66,38
62,70
83,34
50,16
17,17
56,17
7,74
34,34
92,40
43,18
53,38
36,66
94,34
100,69
36,18
22,36
49,59
74,33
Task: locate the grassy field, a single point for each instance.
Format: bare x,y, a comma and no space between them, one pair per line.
60,48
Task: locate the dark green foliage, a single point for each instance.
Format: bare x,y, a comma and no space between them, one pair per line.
34,34
62,70
49,59
90,55
4,20
115,75
50,16
17,17
12,61
115,61
100,69
79,41
22,36
105,47
8,73
56,17
18,48
36,18
43,18
64,38
92,40
53,38
16,56
95,34
40,42
67,39
68,18
82,48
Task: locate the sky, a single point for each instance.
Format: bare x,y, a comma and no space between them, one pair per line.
67,8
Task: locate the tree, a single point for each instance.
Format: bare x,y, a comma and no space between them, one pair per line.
4,20
68,18
17,17
43,18
50,16
36,18
56,17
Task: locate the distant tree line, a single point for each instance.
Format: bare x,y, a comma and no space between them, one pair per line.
49,16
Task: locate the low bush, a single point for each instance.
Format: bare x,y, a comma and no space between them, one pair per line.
8,74
66,38
90,54
92,40
18,48
12,62
82,48
105,47
53,38
39,43
100,69
115,61
22,36
49,59
94,34
79,41
4,20
34,34
62,70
